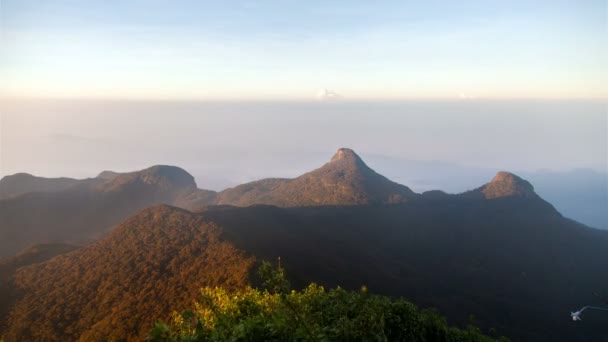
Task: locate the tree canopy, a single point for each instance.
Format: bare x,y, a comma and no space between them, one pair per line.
277,313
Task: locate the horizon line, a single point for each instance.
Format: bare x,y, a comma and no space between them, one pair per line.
302,99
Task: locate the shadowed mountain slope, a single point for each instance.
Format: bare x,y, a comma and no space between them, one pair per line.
513,262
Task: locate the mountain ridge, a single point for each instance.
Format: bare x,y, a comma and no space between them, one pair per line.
84,210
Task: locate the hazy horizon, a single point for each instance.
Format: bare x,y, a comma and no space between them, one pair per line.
226,143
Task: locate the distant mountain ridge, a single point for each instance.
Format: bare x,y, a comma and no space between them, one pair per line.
87,209
79,211
22,183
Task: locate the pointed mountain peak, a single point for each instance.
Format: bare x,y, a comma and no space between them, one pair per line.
346,155
506,184
344,180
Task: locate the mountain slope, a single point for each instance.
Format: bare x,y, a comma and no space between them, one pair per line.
513,262
9,266
117,288
344,180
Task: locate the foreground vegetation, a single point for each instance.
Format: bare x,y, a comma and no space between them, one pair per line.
313,314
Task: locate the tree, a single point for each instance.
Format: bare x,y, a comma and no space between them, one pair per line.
276,313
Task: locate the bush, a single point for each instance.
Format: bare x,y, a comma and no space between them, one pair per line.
313,314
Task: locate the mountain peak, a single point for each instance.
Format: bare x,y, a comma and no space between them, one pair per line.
167,178
345,154
344,180
108,175
506,184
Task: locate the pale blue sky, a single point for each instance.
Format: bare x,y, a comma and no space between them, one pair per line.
157,49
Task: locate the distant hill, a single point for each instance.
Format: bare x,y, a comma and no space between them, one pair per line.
344,180
580,194
22,183
504,184
88,209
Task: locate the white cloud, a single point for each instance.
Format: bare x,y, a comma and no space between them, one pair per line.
326,94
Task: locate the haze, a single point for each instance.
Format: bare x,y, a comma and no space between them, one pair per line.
224,144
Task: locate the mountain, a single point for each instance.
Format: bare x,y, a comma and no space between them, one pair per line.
504,184
8,266
499,253
514,263
89,208
344,180
117,288
580,194
80,211
21,183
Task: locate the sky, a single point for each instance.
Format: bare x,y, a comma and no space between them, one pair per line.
290,50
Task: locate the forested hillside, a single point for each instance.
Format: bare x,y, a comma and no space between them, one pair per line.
117,288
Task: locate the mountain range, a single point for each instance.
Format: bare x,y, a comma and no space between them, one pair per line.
499,252
39,210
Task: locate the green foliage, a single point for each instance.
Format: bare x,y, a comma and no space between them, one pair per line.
273,280
313,314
